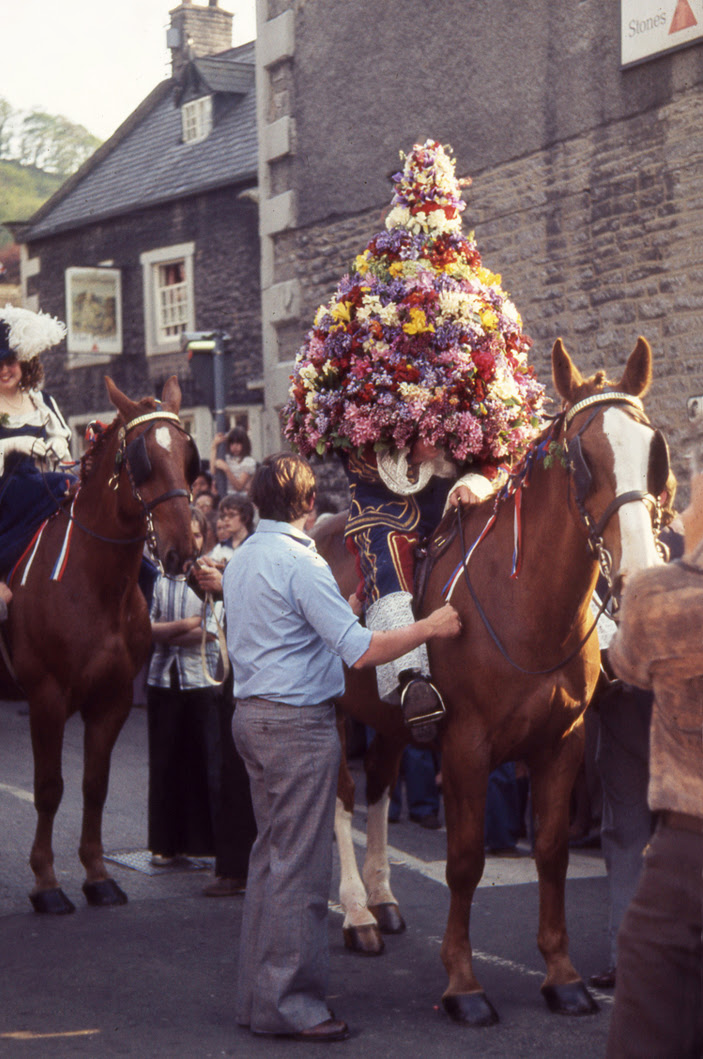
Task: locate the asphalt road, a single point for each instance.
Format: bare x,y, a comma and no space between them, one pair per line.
154,978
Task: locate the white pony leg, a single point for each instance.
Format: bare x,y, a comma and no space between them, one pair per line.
352,894
377,871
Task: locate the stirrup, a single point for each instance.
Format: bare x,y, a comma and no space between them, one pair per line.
433,700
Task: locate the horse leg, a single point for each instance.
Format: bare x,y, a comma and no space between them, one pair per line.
101,731
382,764
464,785
47,718
552,778
360,929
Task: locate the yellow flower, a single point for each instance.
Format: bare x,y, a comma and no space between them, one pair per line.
489,319
361,262
396,269
491,279
342,312
417,323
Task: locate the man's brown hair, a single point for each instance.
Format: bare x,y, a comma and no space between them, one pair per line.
283,487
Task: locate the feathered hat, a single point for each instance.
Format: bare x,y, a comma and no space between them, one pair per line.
25,334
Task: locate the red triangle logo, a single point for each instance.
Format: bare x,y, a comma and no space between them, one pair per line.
683,17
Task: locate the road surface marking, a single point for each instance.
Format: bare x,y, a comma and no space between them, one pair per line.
27,1035
17,792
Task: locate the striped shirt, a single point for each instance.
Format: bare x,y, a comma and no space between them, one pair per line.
173,601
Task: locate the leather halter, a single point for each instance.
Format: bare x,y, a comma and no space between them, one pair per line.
580,476
136,462
122,459
127,460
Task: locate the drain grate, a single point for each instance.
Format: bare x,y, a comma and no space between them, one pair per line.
140,860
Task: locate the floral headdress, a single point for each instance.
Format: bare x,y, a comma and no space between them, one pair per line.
419,341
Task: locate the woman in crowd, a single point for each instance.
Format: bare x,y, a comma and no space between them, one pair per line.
237,464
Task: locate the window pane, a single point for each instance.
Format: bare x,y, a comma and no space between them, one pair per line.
172,299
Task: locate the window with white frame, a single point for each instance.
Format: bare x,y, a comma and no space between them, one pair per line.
196,119
169,304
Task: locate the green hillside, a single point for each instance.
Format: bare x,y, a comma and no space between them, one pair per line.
23,189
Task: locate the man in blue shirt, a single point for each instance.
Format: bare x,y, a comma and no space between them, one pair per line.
288,633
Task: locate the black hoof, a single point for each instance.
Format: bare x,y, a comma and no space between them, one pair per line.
388,917
570,999
473,1009
52,902
367,940
104,893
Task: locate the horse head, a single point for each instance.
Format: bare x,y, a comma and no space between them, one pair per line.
618,463
156,462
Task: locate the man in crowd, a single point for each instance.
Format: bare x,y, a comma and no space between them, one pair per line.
287,660
659,989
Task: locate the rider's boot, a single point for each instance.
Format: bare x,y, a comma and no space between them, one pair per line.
422,705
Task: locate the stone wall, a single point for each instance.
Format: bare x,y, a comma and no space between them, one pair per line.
587,190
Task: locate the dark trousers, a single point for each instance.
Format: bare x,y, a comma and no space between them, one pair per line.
658,1010
182,726
199,799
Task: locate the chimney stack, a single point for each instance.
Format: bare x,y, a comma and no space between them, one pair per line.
195,31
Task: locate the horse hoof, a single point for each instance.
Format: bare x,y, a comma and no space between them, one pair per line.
104,893
367,940
388,917
473,1009
570,999
52,902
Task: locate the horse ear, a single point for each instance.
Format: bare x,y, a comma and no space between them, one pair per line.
171,394
122,403
567,378
637,377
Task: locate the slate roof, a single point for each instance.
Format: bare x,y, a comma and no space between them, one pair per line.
144,162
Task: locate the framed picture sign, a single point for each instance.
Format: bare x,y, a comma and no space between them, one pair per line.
94,311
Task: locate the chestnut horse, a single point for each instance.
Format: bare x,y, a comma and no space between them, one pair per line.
79,627
517,681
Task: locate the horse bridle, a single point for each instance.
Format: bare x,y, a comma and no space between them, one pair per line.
580,475
134,459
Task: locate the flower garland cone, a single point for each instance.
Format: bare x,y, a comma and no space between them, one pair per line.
419,341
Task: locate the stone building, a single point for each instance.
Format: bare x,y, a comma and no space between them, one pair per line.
587,170
157,235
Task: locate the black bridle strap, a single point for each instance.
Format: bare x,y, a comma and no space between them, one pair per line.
620,501
494,636
170,495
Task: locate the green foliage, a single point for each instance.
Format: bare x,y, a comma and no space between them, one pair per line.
37,152
23,189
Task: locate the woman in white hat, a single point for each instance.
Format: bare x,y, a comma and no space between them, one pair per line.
34,437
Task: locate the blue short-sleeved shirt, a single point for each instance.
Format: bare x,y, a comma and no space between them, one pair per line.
288,627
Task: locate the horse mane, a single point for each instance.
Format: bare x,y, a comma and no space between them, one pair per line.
91,457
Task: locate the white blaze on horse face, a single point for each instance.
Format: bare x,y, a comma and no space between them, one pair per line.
630,443
162,436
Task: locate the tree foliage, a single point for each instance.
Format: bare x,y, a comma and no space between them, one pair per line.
46,141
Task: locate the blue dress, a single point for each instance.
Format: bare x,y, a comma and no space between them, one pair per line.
28,495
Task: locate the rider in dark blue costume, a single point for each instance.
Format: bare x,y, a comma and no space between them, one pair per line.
34,437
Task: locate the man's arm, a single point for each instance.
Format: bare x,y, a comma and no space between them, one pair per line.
168,631
443,623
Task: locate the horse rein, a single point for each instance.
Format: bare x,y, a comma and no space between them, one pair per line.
576,466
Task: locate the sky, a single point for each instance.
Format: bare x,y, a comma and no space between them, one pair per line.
92,61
